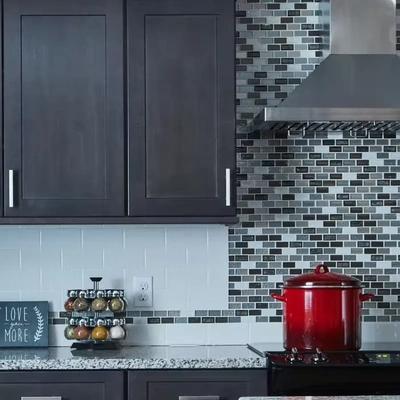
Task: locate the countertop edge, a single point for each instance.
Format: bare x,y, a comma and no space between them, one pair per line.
133,364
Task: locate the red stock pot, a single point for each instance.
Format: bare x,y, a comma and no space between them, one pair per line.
322,310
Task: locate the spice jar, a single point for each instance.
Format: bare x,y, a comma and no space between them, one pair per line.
82,332
117,332
100,332
69,304
81,304
69,332
99,304
116,304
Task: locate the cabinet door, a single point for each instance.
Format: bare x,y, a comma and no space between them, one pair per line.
192,385
62,385
181,107
63,108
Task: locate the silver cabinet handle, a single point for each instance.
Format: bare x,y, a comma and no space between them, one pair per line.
198,397
42,398
11,194
228,187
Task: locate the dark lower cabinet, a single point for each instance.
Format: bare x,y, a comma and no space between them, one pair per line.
64,108
196,384
133,385
181,108
62,385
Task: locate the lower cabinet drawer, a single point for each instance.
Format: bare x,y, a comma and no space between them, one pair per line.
196,384
62,385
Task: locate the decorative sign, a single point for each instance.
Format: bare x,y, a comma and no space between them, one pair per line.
24,324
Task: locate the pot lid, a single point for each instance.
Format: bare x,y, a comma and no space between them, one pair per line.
322,277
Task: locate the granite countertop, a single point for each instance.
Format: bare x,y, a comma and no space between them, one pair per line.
324,398
140,357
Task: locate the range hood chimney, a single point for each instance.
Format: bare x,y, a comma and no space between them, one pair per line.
357,86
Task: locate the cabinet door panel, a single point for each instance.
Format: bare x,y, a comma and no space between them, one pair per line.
174,385
181,107
63,91
173,391
67,385
181,118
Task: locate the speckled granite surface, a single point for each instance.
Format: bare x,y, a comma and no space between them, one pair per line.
324,398
146,357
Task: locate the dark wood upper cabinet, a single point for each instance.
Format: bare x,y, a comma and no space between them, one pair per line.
181,107
64,108
104,124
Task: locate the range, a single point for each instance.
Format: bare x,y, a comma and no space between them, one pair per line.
331,373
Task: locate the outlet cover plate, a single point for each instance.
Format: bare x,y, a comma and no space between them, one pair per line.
143,291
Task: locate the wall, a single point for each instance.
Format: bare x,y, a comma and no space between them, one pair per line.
188,265
328,198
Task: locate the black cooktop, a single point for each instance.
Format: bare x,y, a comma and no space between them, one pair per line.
318,357
336,358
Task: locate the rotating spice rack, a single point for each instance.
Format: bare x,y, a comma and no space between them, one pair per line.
93,314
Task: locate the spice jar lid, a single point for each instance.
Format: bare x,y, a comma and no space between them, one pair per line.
322,278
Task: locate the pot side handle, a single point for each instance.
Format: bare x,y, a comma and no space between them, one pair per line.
278,297
366,296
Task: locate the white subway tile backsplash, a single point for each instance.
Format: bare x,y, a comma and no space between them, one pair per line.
94,238
61,280
264,332
169,299
112,278
197,258
16,237
50,258
227,333
141,237
188,263
207,299
92,258
186,334
159,277
136,256
72,258
30,279
10,259
177,278
38,295
196,278
61,238
56,336
147,335
31,258
10,295
11,280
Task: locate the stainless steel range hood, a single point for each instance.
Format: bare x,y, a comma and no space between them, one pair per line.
357,86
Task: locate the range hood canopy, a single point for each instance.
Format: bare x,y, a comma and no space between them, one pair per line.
357,86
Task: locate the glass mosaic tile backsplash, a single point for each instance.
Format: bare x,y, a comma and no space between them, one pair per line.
325,197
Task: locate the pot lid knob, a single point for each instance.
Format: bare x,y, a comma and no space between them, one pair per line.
321,269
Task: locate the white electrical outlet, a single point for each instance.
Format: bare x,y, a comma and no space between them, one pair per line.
143,291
